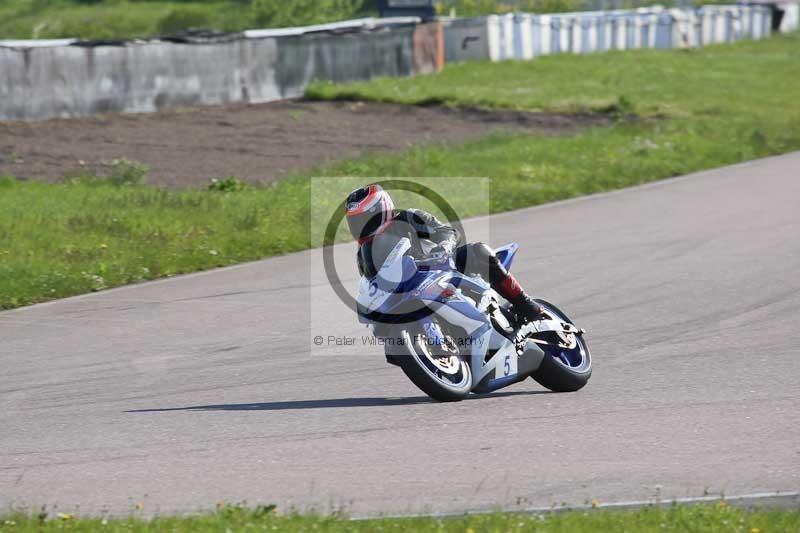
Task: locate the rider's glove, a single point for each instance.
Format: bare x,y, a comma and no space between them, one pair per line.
439,254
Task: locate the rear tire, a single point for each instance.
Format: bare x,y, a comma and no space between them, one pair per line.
417,362
555,374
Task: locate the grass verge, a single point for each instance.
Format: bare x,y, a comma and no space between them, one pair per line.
66,239
747,78
726,104
719,517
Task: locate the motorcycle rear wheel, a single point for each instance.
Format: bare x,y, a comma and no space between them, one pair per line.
443,377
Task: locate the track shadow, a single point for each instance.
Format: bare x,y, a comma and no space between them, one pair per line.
325,404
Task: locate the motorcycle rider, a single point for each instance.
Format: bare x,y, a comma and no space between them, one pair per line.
370,212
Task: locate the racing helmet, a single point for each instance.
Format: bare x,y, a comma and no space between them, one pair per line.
368,211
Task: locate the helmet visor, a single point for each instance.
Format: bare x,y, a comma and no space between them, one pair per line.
365,224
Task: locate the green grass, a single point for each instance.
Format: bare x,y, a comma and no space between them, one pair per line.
705,518
66,239
727,104
33,19
531,170
117,19
88,234
692,110
749,77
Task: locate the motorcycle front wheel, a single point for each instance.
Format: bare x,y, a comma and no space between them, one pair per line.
438,371
563,369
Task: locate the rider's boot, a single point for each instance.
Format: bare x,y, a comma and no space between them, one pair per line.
478,257
527,308
523,305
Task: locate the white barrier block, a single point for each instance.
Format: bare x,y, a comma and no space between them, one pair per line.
560,37
697,23
536,35
791,17
607,33
637,32
630,32
622,36
591,46
758,24
766,15
719,27
493,31
576,29
524,27
546,35
566,34
508,37
736,25
707,28
653,22
747,16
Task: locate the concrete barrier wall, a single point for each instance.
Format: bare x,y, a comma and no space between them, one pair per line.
790,19
466,39
72,80
66,81
339,58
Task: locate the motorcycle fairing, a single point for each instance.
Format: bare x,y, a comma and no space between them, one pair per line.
503,366
437,292
506,254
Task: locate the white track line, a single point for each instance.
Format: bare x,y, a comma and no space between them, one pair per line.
786,500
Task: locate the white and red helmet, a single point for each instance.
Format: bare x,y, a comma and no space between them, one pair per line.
368,211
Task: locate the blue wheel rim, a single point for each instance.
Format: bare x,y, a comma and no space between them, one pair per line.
577,358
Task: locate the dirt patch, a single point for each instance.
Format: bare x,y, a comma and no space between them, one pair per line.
253,142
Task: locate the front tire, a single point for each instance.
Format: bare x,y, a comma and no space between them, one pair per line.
563,370
444,378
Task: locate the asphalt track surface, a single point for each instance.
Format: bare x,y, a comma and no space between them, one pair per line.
183,392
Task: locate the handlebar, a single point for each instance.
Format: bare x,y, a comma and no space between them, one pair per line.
432,261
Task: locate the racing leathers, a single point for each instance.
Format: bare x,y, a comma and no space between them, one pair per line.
430,237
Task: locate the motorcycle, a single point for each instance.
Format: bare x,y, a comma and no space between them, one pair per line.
453,335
